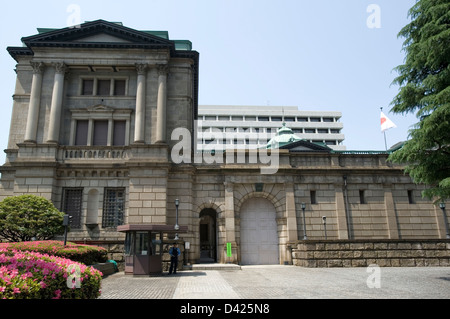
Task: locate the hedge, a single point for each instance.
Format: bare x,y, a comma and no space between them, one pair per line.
33,275
85,254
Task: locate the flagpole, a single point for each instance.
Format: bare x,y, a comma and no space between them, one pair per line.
384,132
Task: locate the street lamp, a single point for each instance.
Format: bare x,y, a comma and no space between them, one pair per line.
324,219
304,221
176,227
442,206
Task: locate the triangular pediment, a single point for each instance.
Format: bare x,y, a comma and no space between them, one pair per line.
306,146
98,33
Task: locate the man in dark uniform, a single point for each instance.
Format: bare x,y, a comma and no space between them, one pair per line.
174,253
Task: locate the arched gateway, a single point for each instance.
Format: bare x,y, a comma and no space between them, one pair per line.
259,236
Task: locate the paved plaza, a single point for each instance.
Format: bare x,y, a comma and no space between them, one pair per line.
284,282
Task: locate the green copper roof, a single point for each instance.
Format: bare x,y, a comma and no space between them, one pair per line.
283,137
182,45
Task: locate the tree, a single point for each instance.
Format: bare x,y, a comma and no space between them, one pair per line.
424,81
27,217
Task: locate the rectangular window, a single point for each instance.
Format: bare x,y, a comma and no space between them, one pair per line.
87,87
310,130
100,133
411,197
312,195
103,87
263,118
119,87
322,130
119,133
362,197
71,204
113,207
81,132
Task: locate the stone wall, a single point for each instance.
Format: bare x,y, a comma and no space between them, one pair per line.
362,253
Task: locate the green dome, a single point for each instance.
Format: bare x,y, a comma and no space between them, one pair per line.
283,137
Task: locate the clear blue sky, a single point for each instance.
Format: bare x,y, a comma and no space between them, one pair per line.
317,55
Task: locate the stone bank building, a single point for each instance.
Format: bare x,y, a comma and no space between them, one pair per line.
94,111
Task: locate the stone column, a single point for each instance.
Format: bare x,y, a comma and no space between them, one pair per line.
291,215
139,125
56,106
35,101
161,105
291,222
230,230
391,219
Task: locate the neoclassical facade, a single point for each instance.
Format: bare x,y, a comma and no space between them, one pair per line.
95,112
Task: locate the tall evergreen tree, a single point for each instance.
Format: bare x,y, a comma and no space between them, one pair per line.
424,81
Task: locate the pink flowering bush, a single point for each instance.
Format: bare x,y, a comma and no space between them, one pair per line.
85,254
33,275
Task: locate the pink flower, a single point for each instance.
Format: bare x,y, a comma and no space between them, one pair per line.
16,291
2,289
43,285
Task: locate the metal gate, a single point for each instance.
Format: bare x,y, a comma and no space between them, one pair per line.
259,236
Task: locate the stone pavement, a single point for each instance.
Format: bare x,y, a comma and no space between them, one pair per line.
284,282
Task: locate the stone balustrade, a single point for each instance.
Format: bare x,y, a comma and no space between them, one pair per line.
93,152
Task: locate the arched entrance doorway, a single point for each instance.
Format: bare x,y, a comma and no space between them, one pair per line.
208,236
259,236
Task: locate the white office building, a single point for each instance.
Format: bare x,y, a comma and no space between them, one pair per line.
222,127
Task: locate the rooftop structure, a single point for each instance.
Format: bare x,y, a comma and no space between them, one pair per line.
250,127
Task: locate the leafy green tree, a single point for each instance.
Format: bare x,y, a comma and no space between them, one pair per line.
27,217
424,81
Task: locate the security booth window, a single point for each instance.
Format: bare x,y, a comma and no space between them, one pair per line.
142,246
129,244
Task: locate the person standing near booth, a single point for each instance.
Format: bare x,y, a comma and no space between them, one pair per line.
174,253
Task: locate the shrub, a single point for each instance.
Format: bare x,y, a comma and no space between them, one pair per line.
26,217
32,275
85,254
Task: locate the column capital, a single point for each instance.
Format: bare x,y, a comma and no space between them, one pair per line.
141,68
61,67
163,69
38,67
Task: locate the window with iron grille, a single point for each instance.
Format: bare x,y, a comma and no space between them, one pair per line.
113,207
72,203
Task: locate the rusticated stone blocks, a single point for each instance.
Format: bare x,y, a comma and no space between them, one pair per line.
362,253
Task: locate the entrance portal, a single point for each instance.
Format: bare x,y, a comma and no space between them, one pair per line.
259,236
208,241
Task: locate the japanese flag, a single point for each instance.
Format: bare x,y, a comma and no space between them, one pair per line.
386,123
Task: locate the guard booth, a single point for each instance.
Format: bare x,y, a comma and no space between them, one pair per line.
144,247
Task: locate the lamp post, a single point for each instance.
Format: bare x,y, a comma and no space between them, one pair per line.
304,221
66,221
176,227
324,219
442,206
